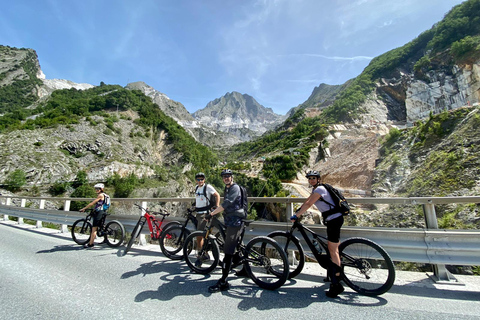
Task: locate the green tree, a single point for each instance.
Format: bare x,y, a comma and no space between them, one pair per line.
83,191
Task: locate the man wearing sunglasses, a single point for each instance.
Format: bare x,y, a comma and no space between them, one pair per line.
206,199
233,216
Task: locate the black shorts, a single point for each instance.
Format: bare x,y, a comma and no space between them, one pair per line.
231,239
333,229
97,217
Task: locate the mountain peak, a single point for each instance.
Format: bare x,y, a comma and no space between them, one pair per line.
235,111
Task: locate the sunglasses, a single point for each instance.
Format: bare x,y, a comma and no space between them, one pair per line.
200,179
98,188
226,177
312,178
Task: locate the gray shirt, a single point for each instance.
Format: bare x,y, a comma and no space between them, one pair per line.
232,201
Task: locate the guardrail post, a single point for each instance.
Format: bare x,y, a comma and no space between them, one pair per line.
23,204
289,211
66,207
42,206
141,238
440,272
8,202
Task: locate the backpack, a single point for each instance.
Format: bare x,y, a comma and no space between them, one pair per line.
243,201
340,204
106,202
210,201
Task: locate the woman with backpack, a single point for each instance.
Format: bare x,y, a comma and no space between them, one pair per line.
333,220
99,212
234,214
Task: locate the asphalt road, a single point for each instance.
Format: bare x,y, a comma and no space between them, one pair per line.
45,275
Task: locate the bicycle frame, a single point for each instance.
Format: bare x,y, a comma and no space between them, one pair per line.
154,225
214,222
321,259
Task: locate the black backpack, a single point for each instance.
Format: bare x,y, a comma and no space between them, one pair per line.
243,199
210,201
339,204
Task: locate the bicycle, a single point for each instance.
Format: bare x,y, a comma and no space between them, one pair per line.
366,266
113,233
172,239
262,258
154,225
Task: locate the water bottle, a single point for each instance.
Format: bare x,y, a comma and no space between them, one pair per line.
317,246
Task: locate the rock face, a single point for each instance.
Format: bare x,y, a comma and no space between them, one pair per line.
407,98
239,115
171,108
443,91
62,151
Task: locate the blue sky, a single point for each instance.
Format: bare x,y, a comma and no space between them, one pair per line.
195,51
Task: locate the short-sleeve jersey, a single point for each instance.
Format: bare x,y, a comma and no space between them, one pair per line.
200,199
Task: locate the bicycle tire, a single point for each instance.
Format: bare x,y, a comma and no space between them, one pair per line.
114,233
81,230
366,266
135,233
266,263
294,250
191,255
164,227
172,240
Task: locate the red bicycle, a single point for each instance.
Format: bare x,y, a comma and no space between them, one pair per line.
155,226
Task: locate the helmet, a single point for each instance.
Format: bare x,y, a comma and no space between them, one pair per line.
200,174
99,186
226,172
313,173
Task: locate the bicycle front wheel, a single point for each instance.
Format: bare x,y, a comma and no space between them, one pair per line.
201,258
135,233
367,267
172,240
266,263
293,249
114,233
81,231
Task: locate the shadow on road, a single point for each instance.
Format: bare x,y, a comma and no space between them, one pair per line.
250,296
67,247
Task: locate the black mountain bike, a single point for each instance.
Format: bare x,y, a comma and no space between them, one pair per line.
173,237
155,226
262,258
113,233
366,266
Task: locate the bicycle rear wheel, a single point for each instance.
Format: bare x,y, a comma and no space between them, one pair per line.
135,233
203,259
266,263
114,233
81,230
293,249
367,267
172,240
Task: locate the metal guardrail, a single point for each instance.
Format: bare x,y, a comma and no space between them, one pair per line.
432,245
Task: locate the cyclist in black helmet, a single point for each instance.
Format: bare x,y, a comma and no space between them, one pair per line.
204,204
234,215
333,221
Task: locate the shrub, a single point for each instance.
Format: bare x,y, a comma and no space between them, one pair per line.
15,180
